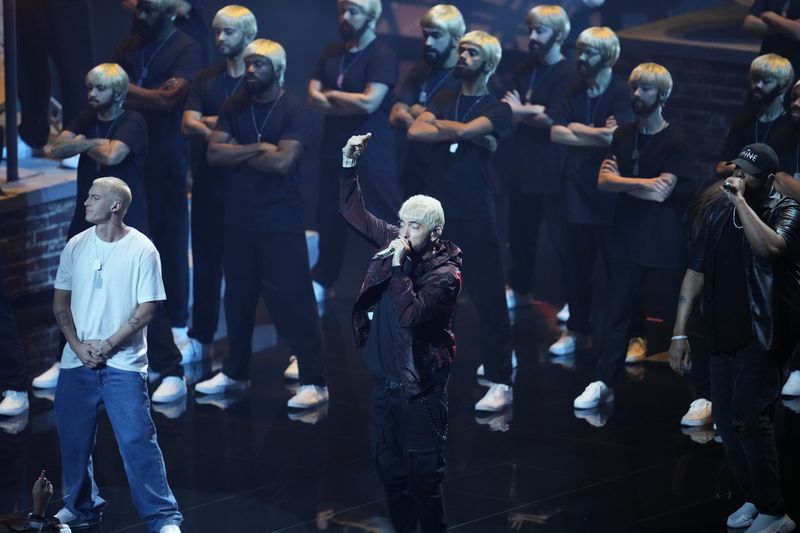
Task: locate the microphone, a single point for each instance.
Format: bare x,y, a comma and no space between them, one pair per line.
728,187
383,254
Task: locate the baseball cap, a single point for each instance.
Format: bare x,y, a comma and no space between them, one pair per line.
757,158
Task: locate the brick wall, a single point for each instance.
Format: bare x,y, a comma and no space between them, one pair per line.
32,239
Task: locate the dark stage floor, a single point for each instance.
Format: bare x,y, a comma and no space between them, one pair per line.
241,464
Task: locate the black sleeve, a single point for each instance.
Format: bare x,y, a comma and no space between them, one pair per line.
676,157
557,93
621,106
133,132
382,67
733,143
563,114
225,118
615,148
408,89
758,7
82,121
188,61
499,113
194,100
697,254
299,127
319,70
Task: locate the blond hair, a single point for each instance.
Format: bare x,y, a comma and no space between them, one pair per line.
272,51
238,17
110,74
445,17
773,66
424,209
119,190
489,45
171,6
604,40
655,75
372,8
551,16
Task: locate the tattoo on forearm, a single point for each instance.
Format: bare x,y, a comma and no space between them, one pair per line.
63,318
134,321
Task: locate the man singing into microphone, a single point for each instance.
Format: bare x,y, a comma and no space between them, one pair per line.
408,345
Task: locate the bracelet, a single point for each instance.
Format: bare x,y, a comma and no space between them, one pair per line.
679,338
106,341
36,521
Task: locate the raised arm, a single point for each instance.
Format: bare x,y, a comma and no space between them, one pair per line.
764,240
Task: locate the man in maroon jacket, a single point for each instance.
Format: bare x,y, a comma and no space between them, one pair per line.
411,287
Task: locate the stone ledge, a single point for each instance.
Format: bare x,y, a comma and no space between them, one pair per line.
41,181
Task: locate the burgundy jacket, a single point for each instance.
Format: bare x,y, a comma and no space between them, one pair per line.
425,301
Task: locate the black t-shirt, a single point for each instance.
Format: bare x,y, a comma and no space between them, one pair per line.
270,201
747,129
458,173
776,43
208,92
585,204
539,163
652,233
730,313
149,64
786,143
128,128
377,63
380,351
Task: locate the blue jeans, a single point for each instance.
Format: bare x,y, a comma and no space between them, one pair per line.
79,393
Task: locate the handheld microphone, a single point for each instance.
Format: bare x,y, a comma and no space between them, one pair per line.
383,254
728,187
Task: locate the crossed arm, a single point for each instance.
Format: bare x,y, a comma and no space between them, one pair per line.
656,189
334,102
107,152
272,158
166,98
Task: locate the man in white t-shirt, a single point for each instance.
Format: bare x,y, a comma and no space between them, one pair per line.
107,290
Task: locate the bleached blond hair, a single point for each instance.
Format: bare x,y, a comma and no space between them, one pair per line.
445,17
653,74
272,51
773,66
604,40
551,16
119,190
238,17
109,74
489,45
424,209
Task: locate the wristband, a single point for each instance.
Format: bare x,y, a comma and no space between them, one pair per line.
679,338
106,341
36,521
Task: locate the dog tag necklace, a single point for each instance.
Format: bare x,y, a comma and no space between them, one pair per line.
423,94
146,66
454,146
253,114
343,70
100,262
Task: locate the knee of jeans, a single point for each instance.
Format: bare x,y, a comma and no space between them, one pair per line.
425,471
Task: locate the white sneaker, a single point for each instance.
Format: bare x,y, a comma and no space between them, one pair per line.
170,528
482,372
596,393
49,378
516,299
71,162
498,397
568,343
793,405
171,388
743,516
14,425
171,410
699,413
293,370
321,293
309,416
792,385
308,396
499,421
563,315
221,383
637,350
768,523
14,402
594,417
191,351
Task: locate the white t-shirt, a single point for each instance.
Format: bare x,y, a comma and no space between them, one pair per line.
108,280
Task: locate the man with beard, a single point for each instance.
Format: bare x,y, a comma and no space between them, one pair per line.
591,110
113,141
464,128
234,27
262,133
770,77
160,60
744,258
442,26
536,189
350,86
778,22
646,161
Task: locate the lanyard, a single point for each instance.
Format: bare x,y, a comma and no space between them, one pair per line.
424,96
146,66
343,70
264,123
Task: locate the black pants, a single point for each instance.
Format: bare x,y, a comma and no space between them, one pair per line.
168,215
11,373
483,281
275,265
701,356
527,212
57,29
585,244
623,310
409,455
379,188
208,231
744,388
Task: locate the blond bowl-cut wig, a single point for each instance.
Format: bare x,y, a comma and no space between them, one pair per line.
551,16
653,74
119,190
489,45
773,66
604,40
372,8
112,75
272,51
425,209
237,17
445,17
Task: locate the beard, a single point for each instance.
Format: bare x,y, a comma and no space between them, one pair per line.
255,85
757,98
641,109
462,72
101,107
233,49
349,33
147,31
539,50
434,57
587,71
794,115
